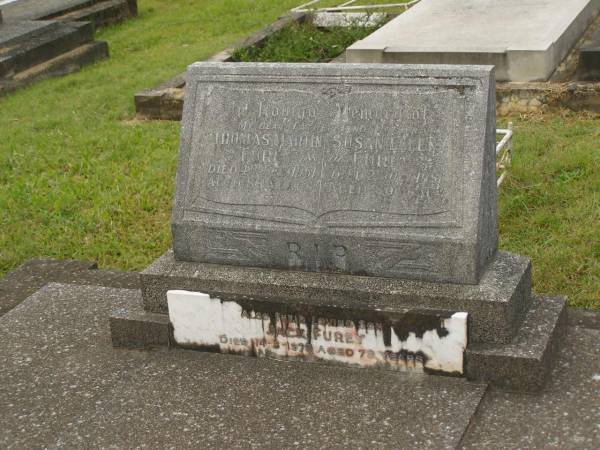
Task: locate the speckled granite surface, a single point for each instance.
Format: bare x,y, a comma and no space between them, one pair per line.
26,279
565,416
64,386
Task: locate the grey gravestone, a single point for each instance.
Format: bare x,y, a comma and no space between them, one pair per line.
344,170
382,170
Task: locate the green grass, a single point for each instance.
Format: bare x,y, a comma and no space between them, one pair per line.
80,179
304,43
549,206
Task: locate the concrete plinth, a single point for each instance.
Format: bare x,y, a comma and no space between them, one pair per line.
524,40
496,305
513,335
63,384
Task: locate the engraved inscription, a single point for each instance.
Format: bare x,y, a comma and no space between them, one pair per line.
237,246
410,341
398,257
317,257
349,155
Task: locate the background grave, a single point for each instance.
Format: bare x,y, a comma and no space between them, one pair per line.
41,39
566,90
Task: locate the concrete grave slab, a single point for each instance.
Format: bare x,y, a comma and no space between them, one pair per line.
11,32
54,41
28,278
19,10
33,48
525,40
63,385
381,170
565,416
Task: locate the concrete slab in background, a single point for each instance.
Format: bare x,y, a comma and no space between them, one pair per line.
18,10
524,39
565,416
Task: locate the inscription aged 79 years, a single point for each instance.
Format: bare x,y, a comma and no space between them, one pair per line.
432,342
380,170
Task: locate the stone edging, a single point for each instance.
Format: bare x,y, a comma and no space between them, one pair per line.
515,97
165,102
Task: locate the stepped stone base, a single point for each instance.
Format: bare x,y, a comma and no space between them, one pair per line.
512,336
108,390
68,62
32,49
496,305
37,46
522,365
525,363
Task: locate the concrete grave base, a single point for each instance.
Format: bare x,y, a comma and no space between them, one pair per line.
513,336
64,384
496,305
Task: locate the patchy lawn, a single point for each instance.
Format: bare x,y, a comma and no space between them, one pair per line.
549,207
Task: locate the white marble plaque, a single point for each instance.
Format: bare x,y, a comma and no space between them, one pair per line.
206,323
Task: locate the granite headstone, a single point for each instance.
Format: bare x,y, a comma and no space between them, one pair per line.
382,170
332,172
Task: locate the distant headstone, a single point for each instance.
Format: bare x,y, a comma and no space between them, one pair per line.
381,170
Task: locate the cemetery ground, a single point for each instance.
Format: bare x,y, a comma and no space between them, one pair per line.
81,178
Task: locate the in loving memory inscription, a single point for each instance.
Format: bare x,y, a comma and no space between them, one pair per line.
336,168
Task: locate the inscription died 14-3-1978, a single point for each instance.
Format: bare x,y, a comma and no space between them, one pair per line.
379,171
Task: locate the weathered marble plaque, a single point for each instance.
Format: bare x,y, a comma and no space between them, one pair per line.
423,341
382,170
